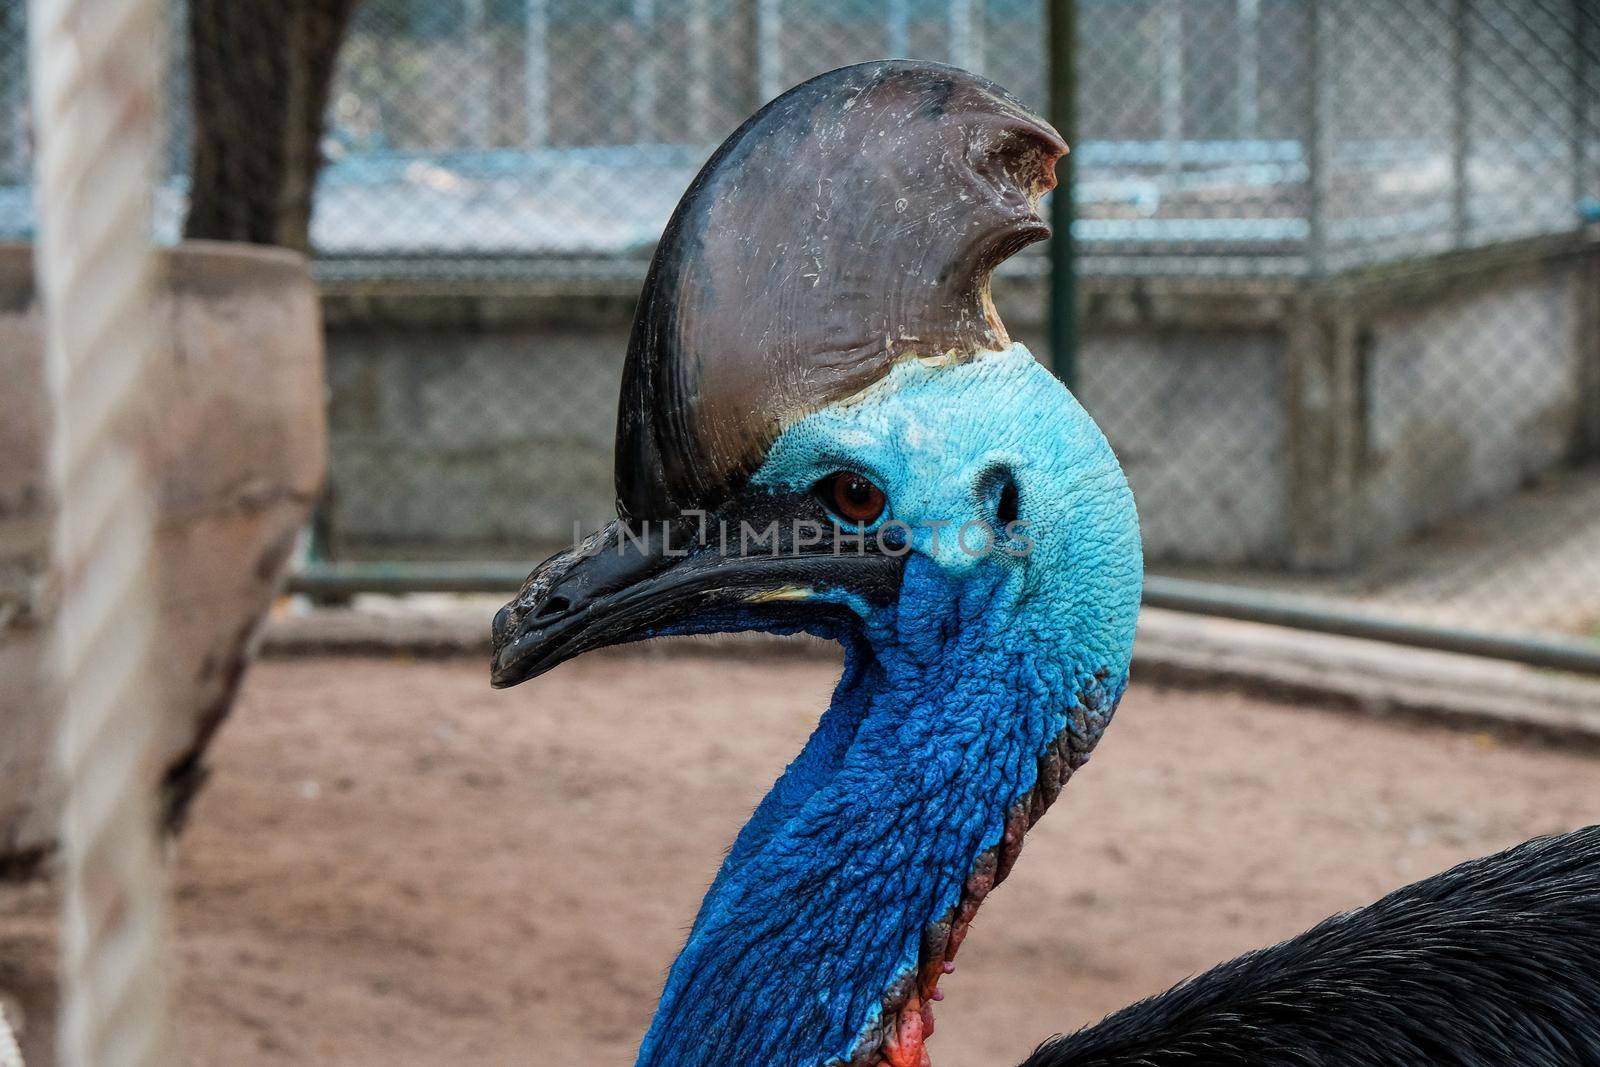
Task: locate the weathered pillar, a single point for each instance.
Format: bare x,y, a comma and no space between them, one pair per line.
1324,420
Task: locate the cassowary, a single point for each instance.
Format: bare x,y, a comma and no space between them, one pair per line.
824,427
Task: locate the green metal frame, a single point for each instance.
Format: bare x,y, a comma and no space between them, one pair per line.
1063,256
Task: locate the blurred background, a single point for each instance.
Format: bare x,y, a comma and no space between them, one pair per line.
1326,271
1335,260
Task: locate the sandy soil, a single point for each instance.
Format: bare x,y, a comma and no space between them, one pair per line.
394,864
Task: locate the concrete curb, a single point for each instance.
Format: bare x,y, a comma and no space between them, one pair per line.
1173,649
1369,677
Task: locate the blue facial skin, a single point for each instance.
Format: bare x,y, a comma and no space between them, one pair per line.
948,698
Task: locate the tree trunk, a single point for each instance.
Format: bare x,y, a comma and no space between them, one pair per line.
262,70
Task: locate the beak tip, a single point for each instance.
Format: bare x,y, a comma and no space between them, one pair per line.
504,669
507,676
509,664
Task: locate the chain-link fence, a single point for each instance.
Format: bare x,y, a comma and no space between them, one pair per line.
1216,135
1341,301
482,135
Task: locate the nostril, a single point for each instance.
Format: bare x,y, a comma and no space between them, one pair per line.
504,619
556,605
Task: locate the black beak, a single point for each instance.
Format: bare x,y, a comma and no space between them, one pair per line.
628,582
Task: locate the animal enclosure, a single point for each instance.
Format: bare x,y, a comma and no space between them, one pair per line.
1338,263
1326,271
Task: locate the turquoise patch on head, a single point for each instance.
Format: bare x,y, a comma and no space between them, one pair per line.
930,433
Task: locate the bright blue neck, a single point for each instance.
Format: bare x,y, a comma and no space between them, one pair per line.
933,734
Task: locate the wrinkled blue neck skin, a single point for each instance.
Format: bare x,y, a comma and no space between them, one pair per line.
947,700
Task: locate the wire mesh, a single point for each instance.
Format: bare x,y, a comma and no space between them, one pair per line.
1337,258
477,131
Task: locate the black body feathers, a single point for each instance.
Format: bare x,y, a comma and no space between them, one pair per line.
1494,963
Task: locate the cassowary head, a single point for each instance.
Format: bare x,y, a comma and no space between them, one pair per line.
824,427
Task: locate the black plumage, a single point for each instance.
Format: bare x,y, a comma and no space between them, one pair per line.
1494,963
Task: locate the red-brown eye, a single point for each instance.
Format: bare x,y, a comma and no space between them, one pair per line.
852,497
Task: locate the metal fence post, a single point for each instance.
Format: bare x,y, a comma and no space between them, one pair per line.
536,72
768,44
1460,149
965,21
1321,351
13,94
1249,76
1586,327
897,29
697,21
1580,106
1316,162
1062,15
478,112
1171,45
644,72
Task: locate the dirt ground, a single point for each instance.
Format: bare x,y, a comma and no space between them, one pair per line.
394,864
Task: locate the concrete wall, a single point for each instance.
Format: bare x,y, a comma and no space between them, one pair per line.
1197,419
469,442
1261,421
462,435
1468,399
